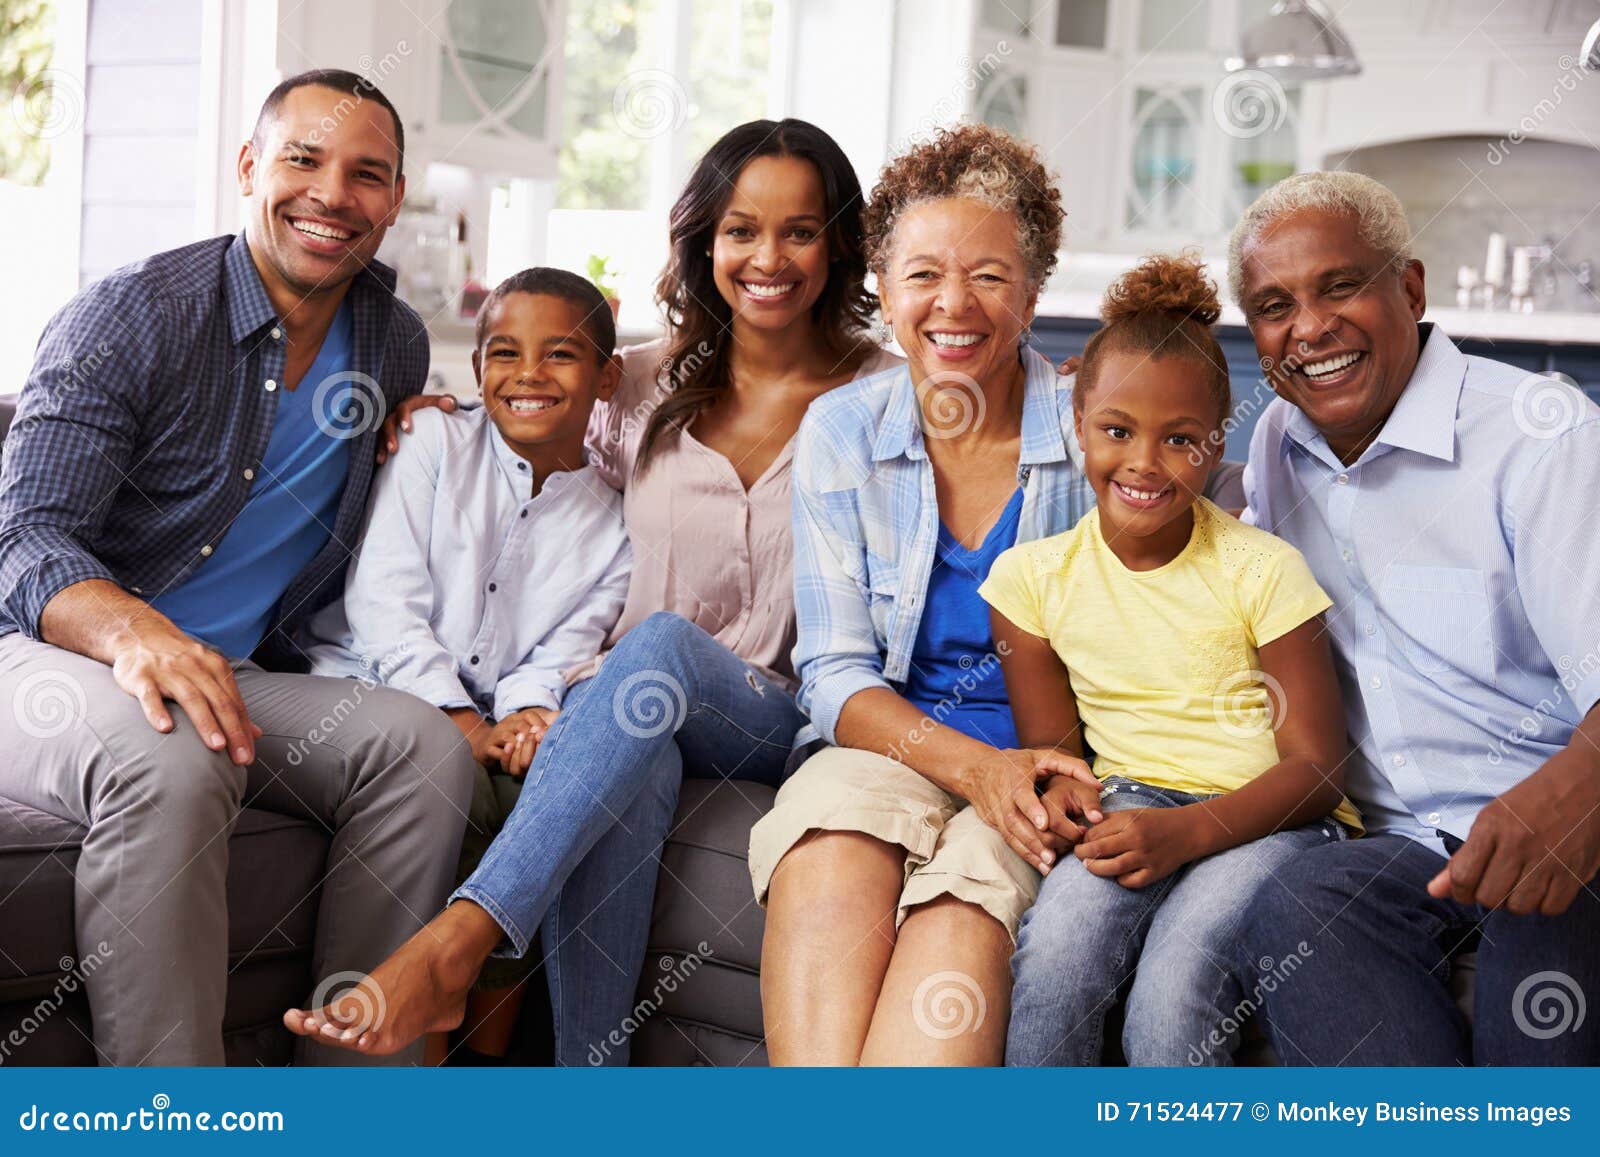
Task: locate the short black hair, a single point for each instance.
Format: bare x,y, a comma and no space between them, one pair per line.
598,324
340,80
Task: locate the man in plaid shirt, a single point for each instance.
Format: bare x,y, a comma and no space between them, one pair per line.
182,487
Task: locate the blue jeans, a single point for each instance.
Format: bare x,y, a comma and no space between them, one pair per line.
1371,988
1086,938
577,858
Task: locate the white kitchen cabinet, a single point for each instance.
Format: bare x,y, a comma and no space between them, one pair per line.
1157,144
1129,101
481,81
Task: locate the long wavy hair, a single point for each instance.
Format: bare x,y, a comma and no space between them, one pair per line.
699,338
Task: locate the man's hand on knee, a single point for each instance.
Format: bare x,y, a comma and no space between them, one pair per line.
154,661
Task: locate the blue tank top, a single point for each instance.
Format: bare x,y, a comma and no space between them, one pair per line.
955,673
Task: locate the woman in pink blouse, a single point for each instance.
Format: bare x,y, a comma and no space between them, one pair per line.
766,309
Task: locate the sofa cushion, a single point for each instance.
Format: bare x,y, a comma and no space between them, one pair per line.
275,867
699,999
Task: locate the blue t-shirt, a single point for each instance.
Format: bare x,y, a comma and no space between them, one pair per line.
227,601
955,673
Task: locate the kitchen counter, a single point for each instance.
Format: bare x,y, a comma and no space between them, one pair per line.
1477,324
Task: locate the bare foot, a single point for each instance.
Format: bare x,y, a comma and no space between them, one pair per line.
421,988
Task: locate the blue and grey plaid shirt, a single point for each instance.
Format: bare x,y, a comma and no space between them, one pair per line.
149,407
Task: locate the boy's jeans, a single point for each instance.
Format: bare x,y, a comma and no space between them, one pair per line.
1372,990
1087,939
578,856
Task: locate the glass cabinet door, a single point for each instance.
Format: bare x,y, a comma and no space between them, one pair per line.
1002,101
1161,194
494,65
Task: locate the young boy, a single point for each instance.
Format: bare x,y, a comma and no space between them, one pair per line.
493,557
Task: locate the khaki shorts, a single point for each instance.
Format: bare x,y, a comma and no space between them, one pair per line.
950,851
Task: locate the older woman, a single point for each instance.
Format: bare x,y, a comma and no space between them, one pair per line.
898,861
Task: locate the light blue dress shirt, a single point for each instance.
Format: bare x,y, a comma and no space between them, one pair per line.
469,590
1461,554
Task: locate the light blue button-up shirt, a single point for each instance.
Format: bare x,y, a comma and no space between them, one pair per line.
468,589
867,524
1462,558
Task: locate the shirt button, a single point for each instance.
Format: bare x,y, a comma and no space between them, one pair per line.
522,465
1376,683
1344,480
1371,630
276,333
1399,761
522,514
493,588
1348,556
271,385
249,474
1434,818
473,660
205,551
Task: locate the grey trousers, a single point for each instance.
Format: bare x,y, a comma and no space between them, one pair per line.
387,775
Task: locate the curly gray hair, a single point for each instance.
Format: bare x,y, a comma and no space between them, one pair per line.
1378,212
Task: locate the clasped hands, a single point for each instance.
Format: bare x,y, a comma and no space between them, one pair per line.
512,742
1136,847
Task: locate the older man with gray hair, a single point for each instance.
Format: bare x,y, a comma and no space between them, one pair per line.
1446,504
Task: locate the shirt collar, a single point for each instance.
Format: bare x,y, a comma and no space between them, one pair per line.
513,467
1424,417
249,308
900,429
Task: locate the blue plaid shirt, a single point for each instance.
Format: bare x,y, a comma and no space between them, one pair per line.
866,525
146,415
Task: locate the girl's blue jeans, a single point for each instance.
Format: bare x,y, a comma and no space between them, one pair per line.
1087,941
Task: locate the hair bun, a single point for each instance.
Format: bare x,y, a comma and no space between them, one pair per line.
1164,283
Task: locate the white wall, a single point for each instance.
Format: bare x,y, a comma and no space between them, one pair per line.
139,135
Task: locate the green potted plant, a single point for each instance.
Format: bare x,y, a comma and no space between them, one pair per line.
602,275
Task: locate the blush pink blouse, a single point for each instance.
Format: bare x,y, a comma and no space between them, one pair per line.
703,546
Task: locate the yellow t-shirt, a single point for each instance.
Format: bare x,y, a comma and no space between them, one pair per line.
1164,662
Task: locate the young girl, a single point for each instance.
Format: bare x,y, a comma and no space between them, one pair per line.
1189,649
